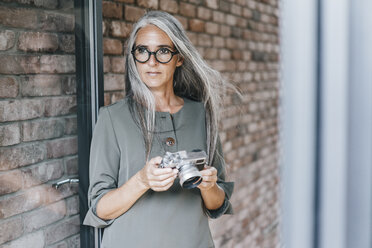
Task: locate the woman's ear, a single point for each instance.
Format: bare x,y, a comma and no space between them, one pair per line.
179,61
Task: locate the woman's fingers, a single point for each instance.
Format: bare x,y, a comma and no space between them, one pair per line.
209,171
162,185
161,171
209,175
155,160
210,178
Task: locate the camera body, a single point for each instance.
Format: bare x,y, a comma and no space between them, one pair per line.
188,164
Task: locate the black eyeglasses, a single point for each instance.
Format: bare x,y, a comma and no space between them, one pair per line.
162,55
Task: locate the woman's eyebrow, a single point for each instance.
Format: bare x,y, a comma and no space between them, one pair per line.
160,46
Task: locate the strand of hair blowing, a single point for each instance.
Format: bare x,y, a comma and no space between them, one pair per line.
195,79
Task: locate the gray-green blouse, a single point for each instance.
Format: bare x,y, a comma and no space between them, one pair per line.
174,218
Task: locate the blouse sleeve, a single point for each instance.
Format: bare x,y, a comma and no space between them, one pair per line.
103,167
228,187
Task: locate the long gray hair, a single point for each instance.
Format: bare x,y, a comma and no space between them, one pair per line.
193,79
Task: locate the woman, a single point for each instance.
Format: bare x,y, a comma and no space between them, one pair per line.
171,104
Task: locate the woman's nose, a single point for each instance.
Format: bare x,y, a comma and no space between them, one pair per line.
152,60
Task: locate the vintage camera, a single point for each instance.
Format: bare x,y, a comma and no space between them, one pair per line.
188,164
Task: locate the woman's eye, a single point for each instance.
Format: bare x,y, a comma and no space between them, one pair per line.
164,51
141,50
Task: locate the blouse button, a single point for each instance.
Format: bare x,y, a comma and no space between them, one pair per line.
170,141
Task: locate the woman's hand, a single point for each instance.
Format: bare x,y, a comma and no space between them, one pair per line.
209,176
155,178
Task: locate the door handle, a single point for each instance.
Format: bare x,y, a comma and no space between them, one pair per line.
62,182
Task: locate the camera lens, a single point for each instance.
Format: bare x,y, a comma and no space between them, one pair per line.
192,182
190,176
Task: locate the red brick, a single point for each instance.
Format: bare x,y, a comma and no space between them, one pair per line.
107,99
70,125
120,29
35,239
124,1
218,41
69,85
14,157
41,85
170,6
9,134
20,203
236,32
19,64
117,64
64,191
225,31
150,4
73,242
224,6
188,10
42,129
112,10
204,13
50,4
72,205
241,2
7,39
57,106
236,9
231,20
237,54
37,42
10,181
204,40
117,96
212,4
106,64
67,5
19,17
183,21
201,50
193,37
67,43
10,229
196,25
62,230
211,53
44,216
71,166
61,147
21,109
51,21
225,54
113,82
8,87
211,28
42,173
232,43
247,13
57,63
133,13
112,46
218,17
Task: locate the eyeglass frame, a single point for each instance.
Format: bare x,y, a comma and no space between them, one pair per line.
153,53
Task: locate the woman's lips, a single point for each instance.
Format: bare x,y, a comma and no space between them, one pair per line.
153,73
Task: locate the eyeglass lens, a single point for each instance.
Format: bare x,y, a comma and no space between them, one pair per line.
163,55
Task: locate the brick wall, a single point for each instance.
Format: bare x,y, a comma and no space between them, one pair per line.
240,38
38,142
38,111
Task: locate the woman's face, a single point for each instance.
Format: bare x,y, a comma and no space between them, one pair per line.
155,75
